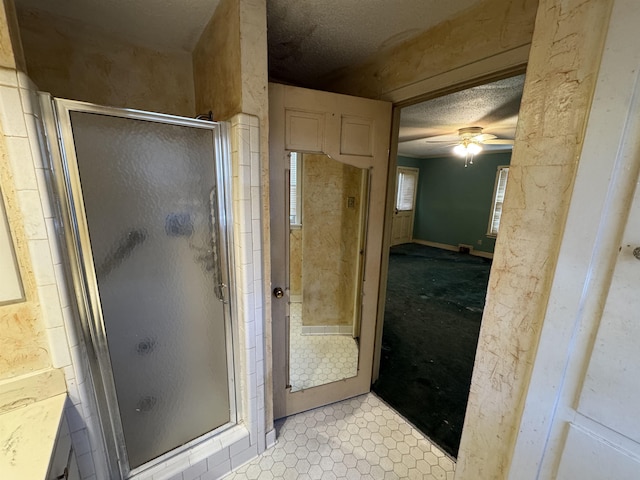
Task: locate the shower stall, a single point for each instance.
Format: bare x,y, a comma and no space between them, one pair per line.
144,211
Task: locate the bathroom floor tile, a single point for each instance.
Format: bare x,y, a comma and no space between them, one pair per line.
360,438
318,359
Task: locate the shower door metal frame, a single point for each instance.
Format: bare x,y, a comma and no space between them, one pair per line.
72,229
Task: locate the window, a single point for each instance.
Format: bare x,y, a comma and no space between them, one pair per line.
406,191
295,189
498,199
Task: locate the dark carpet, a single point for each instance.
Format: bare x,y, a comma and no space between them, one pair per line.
431,325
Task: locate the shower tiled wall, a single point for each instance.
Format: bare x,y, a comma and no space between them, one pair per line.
19,114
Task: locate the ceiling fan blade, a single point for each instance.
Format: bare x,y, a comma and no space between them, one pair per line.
442,138
483,137
441,142
499,141
428,140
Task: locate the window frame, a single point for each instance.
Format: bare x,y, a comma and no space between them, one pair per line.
495,201
406,171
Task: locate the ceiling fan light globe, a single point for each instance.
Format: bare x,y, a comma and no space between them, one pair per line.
474,148
460,150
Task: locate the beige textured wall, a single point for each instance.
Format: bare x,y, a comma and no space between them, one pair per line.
329,240
295,261
563,65
6,48
253,21
71,60
216,63
11,55
23,342
489,28
351,229
230,61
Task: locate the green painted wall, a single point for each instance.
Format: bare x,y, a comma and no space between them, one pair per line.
453,203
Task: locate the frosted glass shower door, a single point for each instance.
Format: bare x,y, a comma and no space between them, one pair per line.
150,200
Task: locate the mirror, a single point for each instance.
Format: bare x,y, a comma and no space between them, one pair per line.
327,215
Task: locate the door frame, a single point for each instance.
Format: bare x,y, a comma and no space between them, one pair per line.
498,67
606,177
80,271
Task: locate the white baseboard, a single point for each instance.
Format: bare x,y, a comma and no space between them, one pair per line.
479,253
453,248
443,246
327,330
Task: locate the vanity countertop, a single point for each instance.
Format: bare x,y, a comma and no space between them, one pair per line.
27,438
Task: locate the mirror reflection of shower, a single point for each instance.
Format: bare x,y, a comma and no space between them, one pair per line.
327,214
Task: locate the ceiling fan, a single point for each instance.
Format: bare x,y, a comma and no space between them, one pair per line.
470,141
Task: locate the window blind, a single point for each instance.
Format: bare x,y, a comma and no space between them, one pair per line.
501,187
294,204
406,191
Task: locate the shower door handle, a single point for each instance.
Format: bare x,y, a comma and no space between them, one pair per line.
278,292
220,292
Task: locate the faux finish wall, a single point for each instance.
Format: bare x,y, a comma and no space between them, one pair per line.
489,28
70,60
563,66
23,342
229,61
11,55
295,262
6,48
216,63
329,240
453,203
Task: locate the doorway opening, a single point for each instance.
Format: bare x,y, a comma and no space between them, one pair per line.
459,145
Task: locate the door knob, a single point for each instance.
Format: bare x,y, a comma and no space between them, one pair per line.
636,252
278,292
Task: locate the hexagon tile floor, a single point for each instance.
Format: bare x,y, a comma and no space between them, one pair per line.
360,438
318,359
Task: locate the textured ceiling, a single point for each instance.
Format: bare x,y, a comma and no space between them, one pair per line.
309,39
430,128
159,24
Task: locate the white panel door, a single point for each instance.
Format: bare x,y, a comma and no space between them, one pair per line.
405,205
353,131
581,418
